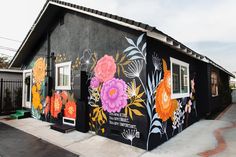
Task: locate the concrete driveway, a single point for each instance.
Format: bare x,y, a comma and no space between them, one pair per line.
204,138
16,143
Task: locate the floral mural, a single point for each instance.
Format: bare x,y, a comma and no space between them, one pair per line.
117,88
38,88
113,95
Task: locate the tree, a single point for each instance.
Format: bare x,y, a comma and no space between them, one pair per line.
4,62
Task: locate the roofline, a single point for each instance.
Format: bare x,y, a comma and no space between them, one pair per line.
11,70
29,33
149,30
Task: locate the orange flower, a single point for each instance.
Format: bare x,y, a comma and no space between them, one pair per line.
70,110
64,95
52,105
167,81
165,107
39,70
47,107
57,105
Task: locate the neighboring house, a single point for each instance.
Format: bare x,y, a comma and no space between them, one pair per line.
128,80
10,90
233,81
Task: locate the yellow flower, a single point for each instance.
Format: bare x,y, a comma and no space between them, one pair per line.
39,70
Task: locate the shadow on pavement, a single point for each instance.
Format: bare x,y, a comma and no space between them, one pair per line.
16,143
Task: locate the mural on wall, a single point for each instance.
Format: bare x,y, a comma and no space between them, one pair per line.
118,95
63,104
113,97
163,112
38,88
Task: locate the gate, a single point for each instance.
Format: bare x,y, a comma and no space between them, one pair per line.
10,96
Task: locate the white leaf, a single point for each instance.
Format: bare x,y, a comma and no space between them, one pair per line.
132,52
129,48
156,123
155,130
144,46
140,38
135,57
130,41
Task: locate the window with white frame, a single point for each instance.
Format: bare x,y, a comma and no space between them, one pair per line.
63,76
214,84
179,78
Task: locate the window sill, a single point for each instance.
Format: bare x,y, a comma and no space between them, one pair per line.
63,88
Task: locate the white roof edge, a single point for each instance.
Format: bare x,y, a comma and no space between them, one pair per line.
11,70
27,37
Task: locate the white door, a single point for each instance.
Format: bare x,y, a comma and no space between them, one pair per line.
27,84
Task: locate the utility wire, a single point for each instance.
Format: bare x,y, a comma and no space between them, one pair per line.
10,39
8,48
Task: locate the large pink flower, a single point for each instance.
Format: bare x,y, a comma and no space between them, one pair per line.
105,68
113,95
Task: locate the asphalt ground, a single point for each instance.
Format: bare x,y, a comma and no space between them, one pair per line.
16,143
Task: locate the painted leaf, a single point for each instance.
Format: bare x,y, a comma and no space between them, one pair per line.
122,69
144,46
126,111
137,112
139,100
157,123
155,130
129,48
104,116
117,56
149,111
137,89
138,104
133,52
126,62
122,59
140,95
136,57
118,70
140,38
130,114
130,41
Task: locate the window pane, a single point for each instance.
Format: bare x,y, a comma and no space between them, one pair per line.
176,78
184,80
60,76
66,76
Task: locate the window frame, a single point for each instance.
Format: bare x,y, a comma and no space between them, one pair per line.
184,64
216,85
58,65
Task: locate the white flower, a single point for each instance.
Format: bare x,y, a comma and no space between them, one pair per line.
134,69
129,134
156,62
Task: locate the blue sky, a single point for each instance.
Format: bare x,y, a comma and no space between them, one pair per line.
206,26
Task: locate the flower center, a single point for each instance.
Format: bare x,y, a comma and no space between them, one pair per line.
71,110
112,92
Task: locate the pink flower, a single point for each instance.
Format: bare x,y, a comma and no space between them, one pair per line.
94,83
113,95
105,68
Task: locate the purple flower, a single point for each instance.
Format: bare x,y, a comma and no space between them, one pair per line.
94,83
113,95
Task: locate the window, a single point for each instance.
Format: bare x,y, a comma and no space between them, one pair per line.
214,84
179,79
63,76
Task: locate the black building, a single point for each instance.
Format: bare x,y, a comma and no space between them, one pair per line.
123,79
